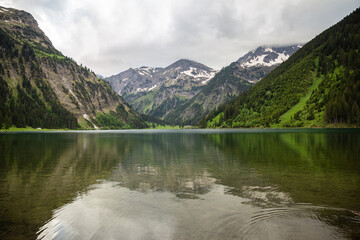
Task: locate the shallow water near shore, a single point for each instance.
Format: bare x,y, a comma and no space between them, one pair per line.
181,184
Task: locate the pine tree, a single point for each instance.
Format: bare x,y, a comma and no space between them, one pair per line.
221,119
355,113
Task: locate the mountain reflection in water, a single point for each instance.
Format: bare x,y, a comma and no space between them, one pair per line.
254,184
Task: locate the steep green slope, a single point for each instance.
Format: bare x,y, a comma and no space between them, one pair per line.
317,86
40,87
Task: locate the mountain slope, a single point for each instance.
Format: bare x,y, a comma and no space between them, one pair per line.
316,86
40,87
230,82
158,91
223,87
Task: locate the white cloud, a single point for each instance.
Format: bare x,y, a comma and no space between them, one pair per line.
110,36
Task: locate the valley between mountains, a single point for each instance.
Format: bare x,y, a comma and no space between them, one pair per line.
298,85
186,91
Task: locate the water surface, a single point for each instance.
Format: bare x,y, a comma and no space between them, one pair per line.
180,184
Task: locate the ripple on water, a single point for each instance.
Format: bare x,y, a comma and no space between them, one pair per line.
298,222
111,211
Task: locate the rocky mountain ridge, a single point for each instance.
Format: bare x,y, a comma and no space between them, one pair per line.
144,79
157,91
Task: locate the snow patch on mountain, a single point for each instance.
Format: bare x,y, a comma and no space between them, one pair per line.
207,80
259,61
200,74
269,50
4,10
146,71
145,89
282,57
192,72
267,56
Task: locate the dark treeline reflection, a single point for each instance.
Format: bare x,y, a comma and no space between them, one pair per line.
313,167
40,172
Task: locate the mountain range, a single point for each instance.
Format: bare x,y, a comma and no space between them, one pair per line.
314,85
318,86
40,87
186,90
158,91
231,81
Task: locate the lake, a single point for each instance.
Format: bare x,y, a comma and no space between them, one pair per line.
180,184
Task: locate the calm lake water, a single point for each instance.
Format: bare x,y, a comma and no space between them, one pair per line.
180,184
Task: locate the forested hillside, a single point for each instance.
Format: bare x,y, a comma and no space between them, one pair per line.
40,87
317,86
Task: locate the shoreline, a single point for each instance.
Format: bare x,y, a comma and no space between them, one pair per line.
29,129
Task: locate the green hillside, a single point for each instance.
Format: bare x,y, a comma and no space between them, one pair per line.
41,88
318,86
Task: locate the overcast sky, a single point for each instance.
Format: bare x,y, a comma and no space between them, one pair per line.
110,36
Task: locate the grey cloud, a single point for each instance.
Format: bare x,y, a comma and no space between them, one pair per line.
113,35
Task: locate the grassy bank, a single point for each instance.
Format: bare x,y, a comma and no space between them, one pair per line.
165,127
30,129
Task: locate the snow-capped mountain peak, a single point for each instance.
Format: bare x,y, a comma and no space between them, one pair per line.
145,79
267,56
